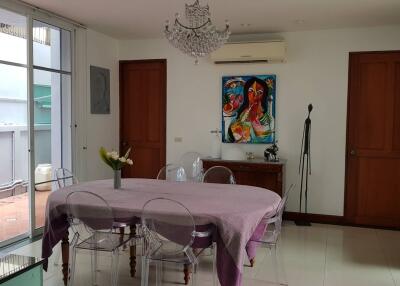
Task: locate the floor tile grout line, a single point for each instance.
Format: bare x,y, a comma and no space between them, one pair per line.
386,258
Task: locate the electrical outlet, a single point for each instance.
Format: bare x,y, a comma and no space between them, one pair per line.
178,139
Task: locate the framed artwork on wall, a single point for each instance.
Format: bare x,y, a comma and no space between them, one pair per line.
248,109
99,90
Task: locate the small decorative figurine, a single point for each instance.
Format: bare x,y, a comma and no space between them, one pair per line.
271,153
250,155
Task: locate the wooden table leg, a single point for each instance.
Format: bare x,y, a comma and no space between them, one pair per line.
186,271
252,262
65,258
132,259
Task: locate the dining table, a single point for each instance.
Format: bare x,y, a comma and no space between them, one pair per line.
235,211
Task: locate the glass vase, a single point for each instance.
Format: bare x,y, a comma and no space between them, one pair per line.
117,179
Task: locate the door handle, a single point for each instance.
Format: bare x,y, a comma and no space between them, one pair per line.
353,152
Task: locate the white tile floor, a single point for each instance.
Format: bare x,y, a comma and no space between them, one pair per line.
321,255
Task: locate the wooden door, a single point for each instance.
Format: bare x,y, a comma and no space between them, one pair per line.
143,116
373,140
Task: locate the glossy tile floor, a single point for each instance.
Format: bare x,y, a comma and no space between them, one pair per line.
321,255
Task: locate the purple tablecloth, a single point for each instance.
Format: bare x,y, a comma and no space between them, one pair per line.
235,210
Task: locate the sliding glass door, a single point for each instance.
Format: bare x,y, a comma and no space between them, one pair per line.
51,109
35,119
14,156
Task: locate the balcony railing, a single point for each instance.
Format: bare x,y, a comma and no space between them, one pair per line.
40,34
14,156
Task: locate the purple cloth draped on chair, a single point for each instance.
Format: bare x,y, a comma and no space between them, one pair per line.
235,210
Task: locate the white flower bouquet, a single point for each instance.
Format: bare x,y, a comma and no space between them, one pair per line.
114,160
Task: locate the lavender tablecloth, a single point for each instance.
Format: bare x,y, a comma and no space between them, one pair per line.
235,210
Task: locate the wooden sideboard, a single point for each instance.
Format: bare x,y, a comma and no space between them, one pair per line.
254,172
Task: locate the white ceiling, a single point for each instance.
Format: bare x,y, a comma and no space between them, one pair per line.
145,18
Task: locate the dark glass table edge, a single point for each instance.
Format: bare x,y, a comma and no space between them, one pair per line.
33,262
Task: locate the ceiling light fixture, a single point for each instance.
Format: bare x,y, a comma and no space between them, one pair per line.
198,37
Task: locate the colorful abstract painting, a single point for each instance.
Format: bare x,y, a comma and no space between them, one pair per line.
248,109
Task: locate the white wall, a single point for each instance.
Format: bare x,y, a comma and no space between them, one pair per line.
102,130
316,72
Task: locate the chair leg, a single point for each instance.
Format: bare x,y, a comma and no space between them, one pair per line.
282,280
71,280
115,268
121,235
194,274
275,265
159,273
144,245
214,274
94,266
145,271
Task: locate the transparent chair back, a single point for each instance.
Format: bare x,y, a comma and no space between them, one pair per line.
169,229
219,175
193,166
91,219
274,223
65,178
172,173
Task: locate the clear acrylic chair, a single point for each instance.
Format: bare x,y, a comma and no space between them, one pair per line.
219,175
91,220
172,173
271,237
66,178
169,231
193,166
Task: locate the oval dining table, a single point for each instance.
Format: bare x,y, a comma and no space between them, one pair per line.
236,212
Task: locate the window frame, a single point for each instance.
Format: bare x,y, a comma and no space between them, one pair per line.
32,15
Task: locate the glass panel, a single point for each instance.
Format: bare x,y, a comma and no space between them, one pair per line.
47,131
52,110
14,157
65,50
46,45
12,37
13,90
66,104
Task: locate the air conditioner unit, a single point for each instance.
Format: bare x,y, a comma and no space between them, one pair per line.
272,51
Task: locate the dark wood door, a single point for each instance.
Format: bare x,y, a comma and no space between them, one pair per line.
373,140
143,116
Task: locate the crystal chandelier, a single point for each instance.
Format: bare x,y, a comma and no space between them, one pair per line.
198,37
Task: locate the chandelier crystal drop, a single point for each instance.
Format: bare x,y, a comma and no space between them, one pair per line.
198,37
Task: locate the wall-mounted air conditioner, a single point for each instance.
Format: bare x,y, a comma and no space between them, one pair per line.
271,51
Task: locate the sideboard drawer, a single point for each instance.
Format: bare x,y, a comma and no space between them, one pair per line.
257,172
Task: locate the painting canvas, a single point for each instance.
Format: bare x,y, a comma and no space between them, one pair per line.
248,109
99,90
